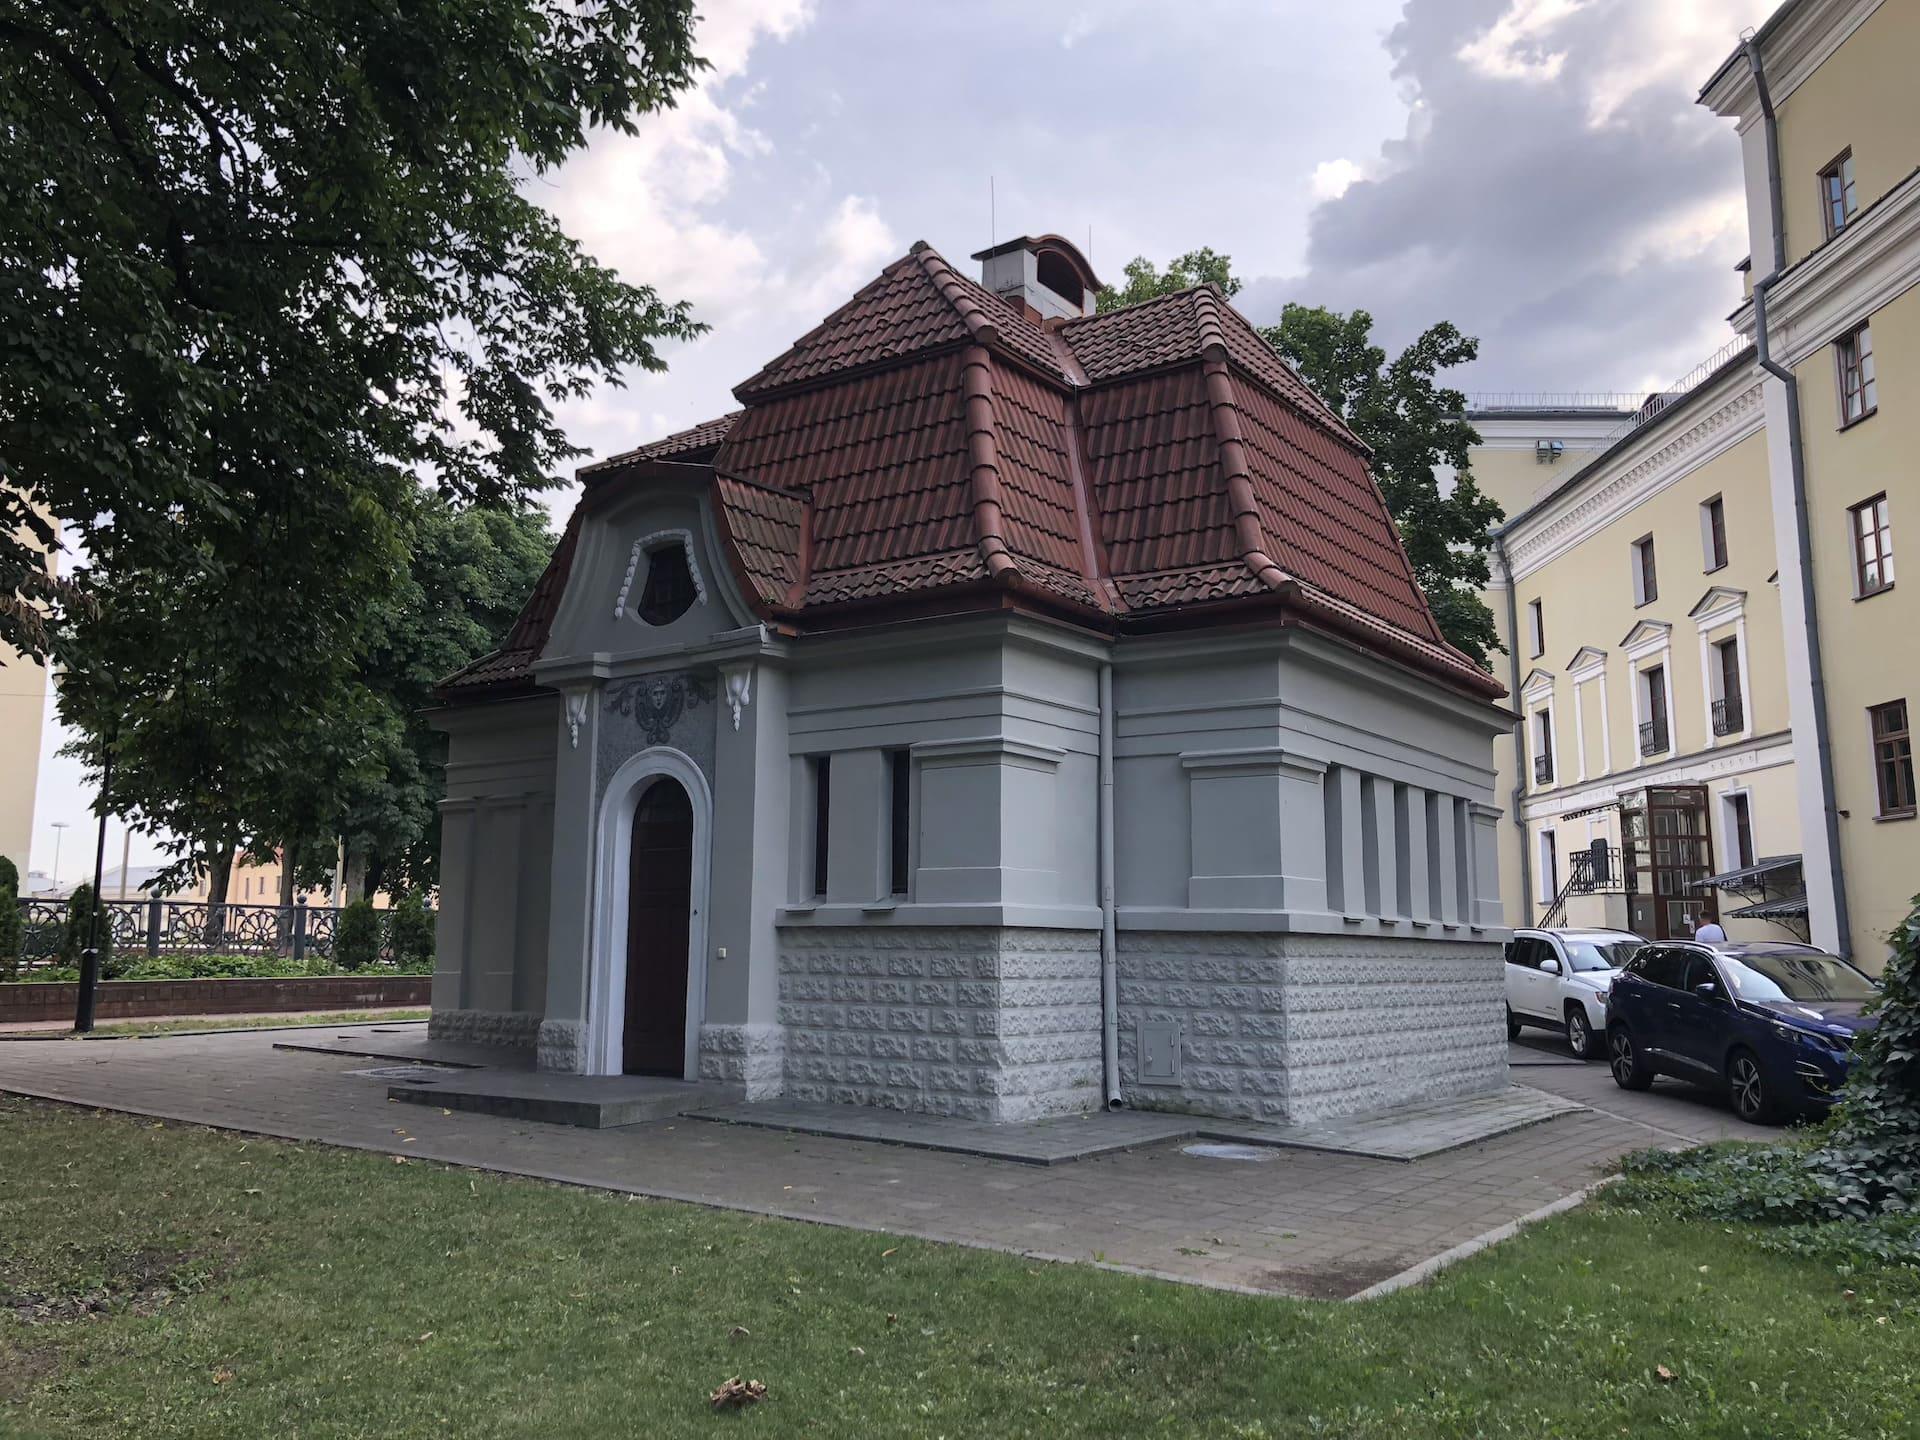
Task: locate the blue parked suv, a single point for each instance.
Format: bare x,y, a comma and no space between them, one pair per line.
1773,1023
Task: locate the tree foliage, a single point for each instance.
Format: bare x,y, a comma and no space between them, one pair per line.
1413,423
10,926
265,269
1145,281
264,259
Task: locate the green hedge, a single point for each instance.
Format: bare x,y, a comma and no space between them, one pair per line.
224,967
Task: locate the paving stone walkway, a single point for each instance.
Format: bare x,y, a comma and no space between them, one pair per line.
1296,1222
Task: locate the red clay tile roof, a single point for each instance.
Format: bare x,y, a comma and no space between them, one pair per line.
686,445
1124,470
510,666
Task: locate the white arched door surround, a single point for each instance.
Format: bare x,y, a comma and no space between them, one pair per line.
613,848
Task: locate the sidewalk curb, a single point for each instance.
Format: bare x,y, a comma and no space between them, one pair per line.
1434,1264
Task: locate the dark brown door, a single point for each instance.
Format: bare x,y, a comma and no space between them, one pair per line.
1670,847
659,917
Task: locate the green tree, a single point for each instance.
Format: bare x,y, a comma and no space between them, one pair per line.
10,926
82,910
1144,281
377,782
1413,424
356,936
260,257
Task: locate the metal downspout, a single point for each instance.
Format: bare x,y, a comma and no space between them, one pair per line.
1109,962
1802,529
1519,722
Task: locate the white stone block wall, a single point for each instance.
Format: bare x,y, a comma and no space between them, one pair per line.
513,1028
749,1056
1304,1028
978,1022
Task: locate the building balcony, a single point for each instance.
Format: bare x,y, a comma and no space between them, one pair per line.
1597,870
1653,738
1728,717
1543,769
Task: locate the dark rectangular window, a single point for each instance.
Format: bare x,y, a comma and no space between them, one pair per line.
1653,728
1893,758
1713,531
1536,627
1542,748
1729,716
1853,354
1646,585
822,814
1872,529
900,808
1839,200
1742,816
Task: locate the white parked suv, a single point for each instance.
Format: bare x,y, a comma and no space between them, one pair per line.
1560,979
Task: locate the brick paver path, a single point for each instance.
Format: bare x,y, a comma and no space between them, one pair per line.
1293,1222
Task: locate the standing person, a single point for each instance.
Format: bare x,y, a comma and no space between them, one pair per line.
1710,932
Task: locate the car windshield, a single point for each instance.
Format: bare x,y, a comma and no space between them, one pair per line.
1601,954
1795,975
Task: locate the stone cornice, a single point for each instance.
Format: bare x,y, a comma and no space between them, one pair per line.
1795,45
1663,456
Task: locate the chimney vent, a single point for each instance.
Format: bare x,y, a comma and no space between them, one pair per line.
1042,276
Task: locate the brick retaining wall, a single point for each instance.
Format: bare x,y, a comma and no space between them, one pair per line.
146,999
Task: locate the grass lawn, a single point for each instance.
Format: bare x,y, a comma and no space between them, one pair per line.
194,1024
157,1280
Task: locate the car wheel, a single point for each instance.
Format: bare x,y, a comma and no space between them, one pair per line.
1579,1032
1748,1089
1630,1071
1513,1025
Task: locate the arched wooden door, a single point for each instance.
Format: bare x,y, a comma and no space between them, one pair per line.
659,919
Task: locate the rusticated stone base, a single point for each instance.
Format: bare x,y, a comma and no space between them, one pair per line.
979,1022
562,1047
515,1029
751,1056
1304,1028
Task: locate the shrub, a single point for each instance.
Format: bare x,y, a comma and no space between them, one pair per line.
81,907
356,936
411,933
10,926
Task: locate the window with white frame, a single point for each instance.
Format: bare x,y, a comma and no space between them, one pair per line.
1656,736
1725,689
1549,868
1536,629
1872,527
1853,356
1839,198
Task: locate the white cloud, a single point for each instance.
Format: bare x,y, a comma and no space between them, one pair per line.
1332,177
1514,46
1083,24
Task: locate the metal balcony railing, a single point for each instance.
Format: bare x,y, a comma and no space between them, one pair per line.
1653,737
1728,717
1543,769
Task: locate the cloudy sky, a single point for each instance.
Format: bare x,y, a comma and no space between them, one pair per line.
1534,170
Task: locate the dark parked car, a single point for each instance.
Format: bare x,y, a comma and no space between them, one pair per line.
1773,1023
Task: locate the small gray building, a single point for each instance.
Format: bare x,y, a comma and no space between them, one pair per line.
1009,710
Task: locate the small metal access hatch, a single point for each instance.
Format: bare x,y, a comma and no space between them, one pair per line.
1159,1052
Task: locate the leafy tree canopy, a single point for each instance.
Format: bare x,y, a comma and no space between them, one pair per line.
261,258
1144,281
1400,409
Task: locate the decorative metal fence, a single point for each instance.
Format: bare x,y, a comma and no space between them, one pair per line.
193,927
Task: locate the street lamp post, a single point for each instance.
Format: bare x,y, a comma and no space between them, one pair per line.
90,957
59,827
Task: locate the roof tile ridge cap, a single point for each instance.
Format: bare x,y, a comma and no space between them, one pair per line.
984,463
1249,535
980,325
787,492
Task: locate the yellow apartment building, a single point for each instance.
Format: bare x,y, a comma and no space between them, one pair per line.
1828,112
1651,777
23,704
1713,663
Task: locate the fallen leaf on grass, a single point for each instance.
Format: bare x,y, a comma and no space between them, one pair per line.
253,1192
222,1376
739,1332
736,1392
399,1159
426,1337
1667,1376
894,1251
893,1319
856,1350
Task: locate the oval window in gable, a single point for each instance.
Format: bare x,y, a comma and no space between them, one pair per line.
669,592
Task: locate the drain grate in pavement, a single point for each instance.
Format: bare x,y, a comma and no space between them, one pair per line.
1209,1151
406,1074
